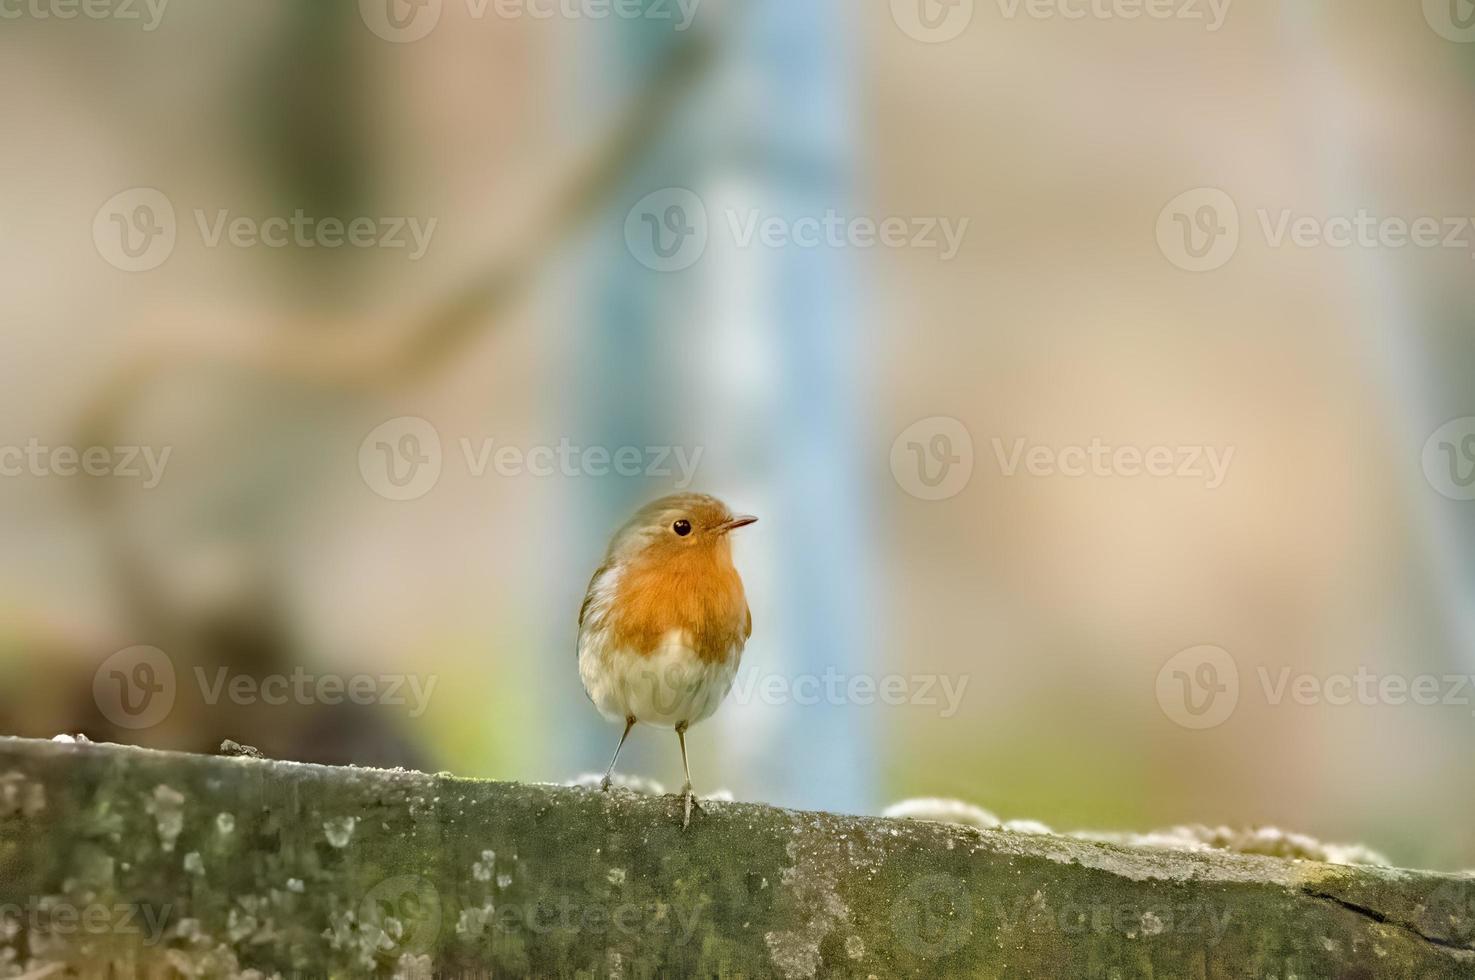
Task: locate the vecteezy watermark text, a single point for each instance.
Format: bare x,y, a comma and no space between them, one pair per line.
863,690
138,687
566,915
1200,230
933,460
51,917
939,21
300,687
149,13
145,463
669,231
403,459
406,21
936,915
305,231
1211,13
1079,918
1365,687
668,687
136,230
1200,688
407,912
1209,464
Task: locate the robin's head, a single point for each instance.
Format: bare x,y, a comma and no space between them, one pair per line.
681,524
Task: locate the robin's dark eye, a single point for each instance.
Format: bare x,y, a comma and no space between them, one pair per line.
682,528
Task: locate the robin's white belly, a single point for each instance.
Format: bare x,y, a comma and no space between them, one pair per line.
670,686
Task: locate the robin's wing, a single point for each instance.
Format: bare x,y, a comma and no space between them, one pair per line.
748,612
589,593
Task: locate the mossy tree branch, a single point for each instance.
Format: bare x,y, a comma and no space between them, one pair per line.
158,864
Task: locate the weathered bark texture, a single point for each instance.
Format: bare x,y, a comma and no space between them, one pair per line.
123,862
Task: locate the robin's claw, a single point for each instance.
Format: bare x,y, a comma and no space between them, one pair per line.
689,800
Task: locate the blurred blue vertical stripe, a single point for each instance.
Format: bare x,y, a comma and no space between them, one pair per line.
776,119
825,754
1423,387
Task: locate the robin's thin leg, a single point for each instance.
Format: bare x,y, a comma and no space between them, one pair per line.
688,797
604,783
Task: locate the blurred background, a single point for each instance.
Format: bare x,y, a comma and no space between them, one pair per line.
339,337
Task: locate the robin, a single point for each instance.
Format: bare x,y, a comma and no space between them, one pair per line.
665,620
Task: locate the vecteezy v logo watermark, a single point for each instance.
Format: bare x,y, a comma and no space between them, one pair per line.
1199,687
939,450
402,21
409,451
1449,459
932,21
402,14
1198,230
135,229
933,917
677,223
933,459
401,459
134,688
667,231
1453,20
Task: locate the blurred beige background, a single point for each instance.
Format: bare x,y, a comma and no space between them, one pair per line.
1061,321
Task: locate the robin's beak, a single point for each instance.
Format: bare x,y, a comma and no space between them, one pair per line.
742,520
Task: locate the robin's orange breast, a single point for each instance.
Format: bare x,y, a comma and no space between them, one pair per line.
698,593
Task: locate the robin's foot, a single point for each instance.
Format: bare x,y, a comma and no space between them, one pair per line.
689,801
604,783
